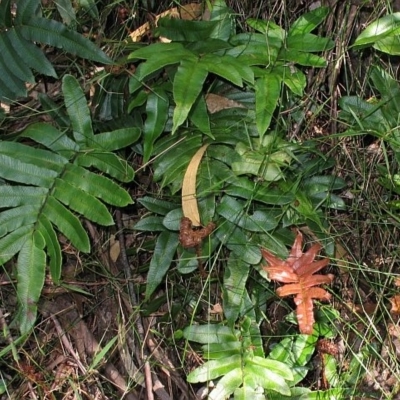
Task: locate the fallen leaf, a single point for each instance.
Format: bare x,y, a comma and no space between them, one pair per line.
297,274
189,201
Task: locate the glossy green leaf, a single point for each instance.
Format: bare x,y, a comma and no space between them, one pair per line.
67,223
215,368
182,30
12,243
295,80
309,43
214,351
164,252
228,68
266,378
305,59
31,267
227,384
90,7
161,60
108,163
52,138
156,117
199,117
172,220
77,109
53,248
14,218
54,33
82,202
157,206
235,278
5,14
188,83
97,185
236,241
379,29
115,140
19,171
14,196
150,224
29,53
268,91
307,22
389,45
209,333
246,189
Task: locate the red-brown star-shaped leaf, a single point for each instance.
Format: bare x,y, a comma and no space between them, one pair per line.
297,274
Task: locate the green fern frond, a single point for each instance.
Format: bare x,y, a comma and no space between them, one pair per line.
50,186
20,55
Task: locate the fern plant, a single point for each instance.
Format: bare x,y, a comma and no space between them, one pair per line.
47,188
20,54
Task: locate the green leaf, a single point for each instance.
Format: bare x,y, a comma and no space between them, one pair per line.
157,206
150,224
108,163
209,333
56,34
52,138
181,30
379,29
188,83
157,115
266,378
215,368
389,45
115,140
97,185
14,196
236,241
235,278
82,202
78,110
67,223
160,57
234,211
309,21
305,59
227,384
12,243
228,68
52,247
13,218
268,91
246,189
199,116
67,12
309,43
31,267
19,171
5,14
164,252
90,7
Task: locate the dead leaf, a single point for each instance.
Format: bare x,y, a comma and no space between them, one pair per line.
189,201
395,300
297,273
216,103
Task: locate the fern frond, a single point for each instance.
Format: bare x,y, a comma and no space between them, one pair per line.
20,54
50,186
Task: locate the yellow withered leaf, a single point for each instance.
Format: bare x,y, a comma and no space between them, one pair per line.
189,202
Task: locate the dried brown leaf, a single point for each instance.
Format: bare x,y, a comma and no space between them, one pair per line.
297,274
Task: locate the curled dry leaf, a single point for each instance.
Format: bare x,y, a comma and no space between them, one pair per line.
297,274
